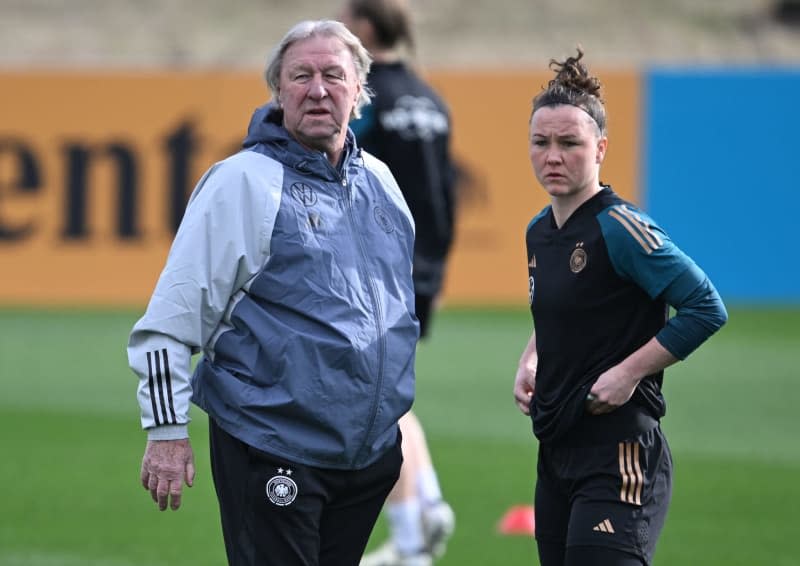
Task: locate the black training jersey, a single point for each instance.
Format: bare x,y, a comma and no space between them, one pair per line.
407,126
594,293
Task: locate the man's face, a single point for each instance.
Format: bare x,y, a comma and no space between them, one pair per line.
319,87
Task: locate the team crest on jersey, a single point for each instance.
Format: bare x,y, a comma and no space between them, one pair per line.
578,259
281,489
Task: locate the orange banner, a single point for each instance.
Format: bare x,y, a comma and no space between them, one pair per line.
95,169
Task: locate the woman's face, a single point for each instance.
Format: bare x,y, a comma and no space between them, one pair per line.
566,150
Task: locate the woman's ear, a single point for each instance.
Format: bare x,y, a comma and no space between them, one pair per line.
602,146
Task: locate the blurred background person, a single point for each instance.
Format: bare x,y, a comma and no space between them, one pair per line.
297,357
407,126
602,276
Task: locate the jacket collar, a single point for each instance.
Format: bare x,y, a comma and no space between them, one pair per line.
266,130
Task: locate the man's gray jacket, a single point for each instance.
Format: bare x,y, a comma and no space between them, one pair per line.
293,278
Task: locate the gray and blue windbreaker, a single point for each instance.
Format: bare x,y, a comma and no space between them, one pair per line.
294,280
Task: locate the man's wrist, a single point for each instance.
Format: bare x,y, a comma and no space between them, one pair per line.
168,432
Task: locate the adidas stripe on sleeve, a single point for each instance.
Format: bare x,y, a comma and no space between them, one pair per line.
639,250
642,252
212,258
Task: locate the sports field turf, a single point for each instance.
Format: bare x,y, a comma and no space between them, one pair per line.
71,445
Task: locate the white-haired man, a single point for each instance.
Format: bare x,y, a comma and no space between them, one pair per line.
291,271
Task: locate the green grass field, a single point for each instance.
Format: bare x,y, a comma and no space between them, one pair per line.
69,491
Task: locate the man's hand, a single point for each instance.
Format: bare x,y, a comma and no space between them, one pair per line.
165,466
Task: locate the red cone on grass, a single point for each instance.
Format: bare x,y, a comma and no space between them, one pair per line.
518,520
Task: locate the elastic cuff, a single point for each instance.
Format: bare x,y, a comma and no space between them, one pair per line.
168,432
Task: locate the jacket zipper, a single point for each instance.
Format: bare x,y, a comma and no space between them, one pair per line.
378,316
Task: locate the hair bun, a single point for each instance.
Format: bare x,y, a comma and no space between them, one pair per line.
573,75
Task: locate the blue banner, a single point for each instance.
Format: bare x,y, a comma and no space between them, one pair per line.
719,172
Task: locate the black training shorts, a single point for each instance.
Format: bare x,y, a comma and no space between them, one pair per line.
612,494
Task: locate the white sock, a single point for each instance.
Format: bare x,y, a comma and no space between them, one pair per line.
428,487
405,525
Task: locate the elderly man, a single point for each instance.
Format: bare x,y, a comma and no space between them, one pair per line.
291,272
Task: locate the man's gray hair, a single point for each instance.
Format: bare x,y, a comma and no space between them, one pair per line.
326,28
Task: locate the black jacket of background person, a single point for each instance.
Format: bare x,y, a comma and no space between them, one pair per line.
407,126
599,289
